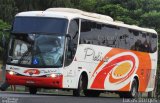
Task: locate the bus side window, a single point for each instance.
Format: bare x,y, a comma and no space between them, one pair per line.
85,37
72,43
90,32
146,46
154,39
144,42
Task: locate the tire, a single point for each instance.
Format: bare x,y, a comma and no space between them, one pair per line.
122,95
133,93
92,93
32,90
82,85
134,89
150,95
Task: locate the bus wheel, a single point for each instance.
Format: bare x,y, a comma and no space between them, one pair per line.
92,93
81,87
134,89
133,93
32,90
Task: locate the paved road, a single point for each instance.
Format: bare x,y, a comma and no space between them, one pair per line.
12,97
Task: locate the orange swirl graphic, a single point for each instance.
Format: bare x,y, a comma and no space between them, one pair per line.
101,76
143,70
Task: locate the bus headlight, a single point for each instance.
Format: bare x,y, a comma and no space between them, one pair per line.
12,73
54,75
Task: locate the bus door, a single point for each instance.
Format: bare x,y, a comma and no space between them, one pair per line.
71,47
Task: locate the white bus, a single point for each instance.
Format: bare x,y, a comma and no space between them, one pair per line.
66,48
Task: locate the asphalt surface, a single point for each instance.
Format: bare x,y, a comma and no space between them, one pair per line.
12,97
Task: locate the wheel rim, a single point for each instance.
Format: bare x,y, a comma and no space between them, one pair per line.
81,84
134,91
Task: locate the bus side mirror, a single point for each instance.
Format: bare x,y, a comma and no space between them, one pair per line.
69,46
70,42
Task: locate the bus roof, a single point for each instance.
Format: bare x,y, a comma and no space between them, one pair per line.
70,13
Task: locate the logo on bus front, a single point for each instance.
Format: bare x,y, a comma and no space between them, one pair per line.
32,71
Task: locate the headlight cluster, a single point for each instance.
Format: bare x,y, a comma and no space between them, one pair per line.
53,75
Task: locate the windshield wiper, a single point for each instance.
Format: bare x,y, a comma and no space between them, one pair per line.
25,55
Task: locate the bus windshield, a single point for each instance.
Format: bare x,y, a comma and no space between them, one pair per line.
37,50
37,41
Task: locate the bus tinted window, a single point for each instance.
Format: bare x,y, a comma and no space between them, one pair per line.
117,37
89,32
144,42
39,25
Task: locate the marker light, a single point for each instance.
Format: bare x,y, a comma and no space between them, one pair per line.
54,75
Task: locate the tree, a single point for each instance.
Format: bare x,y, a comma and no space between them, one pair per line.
151,19
3,26
87,5
7,10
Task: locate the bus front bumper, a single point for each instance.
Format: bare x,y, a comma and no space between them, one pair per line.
39,82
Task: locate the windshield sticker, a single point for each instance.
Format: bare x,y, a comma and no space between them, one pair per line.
35,61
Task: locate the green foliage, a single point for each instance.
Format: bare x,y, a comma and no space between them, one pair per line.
7,10
3,26
150,5
153,17
88,5
113,10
